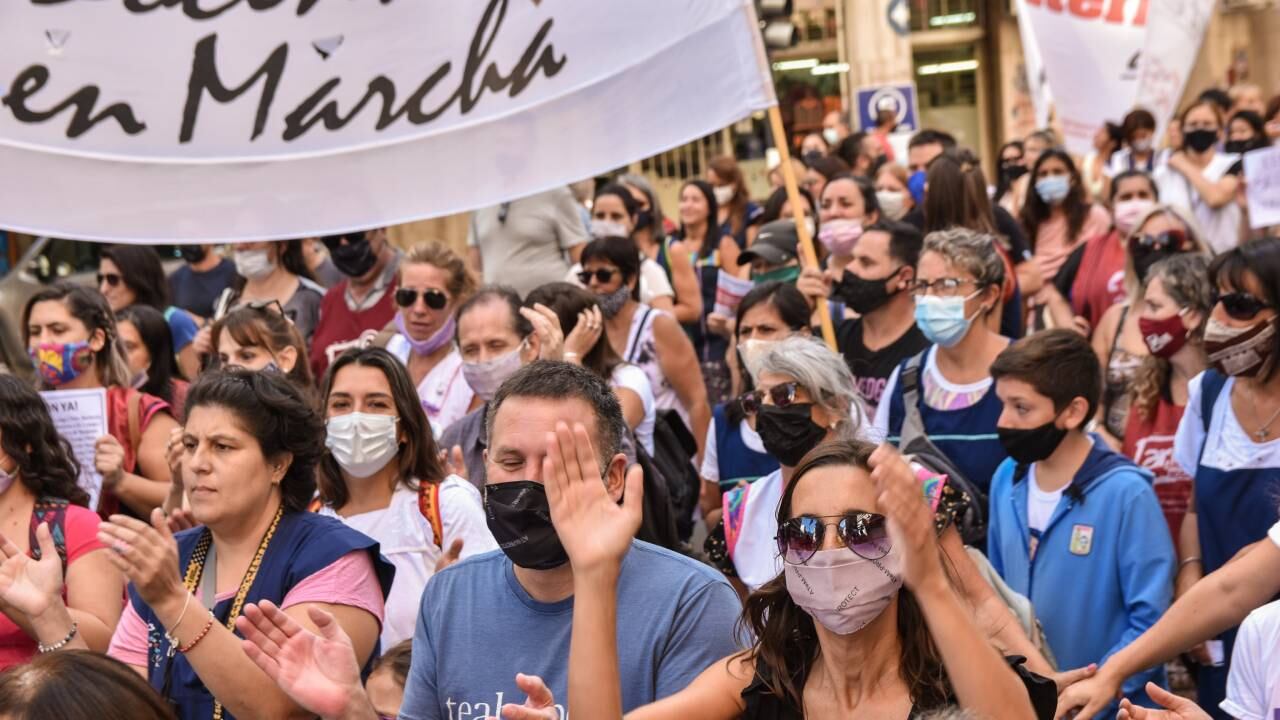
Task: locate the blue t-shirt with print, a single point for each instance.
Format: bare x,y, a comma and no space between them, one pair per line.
477,628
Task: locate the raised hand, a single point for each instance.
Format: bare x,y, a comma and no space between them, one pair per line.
180,520
585,334
813,285
546,325
108,460
173,457
453,462
910,522
28,586
450,556
319,672
538,705
1177,707
596,532
146,554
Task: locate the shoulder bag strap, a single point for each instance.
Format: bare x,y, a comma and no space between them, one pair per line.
429,506
635,341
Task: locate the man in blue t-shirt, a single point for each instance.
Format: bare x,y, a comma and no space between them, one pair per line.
487,618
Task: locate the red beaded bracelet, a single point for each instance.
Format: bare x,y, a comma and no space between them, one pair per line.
196,640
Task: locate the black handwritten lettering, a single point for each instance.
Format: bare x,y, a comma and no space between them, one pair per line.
196,11
204,77
33,79
538,57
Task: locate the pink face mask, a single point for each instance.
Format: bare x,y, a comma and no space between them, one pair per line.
1129,212
840,236
843,591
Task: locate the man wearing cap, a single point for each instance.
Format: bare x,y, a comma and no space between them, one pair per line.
773,256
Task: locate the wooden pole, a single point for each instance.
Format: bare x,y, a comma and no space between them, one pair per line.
808,255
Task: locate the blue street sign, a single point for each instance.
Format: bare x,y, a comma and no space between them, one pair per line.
899,98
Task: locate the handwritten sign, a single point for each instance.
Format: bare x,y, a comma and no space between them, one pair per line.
1262,185
223,120
81,418
1175,30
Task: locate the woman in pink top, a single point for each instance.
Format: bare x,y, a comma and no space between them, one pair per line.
38,489
1057,214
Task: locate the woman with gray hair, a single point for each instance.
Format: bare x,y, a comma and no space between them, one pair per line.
948,386
651,238
804,396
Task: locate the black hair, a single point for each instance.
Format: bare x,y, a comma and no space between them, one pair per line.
932,137
1128,174
1137,119
89,307
1259,258
1255,122
1059,363
566,300
621,253
868,190
142,272
1076,205
792,308
551,380
291,259
1218,97
773,207
1002,179
78,685
905,241
623,194
829,166
274,410
711,240
850,148
418,459
46,464
158,339
520,324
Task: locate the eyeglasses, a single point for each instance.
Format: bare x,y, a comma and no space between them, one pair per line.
111,279
862,532
352,238
264,305
434,299
602,275
1168,241
1240,305
941,286
781,395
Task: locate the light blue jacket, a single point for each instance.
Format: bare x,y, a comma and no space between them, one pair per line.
1104,567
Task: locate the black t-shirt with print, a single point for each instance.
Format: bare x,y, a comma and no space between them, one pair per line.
871,370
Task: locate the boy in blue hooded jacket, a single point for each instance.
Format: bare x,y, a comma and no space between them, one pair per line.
1074,526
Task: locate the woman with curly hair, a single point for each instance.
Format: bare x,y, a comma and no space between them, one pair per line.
42,510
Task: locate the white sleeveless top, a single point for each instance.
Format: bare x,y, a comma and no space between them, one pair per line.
642,351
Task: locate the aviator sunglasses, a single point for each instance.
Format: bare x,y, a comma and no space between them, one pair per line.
862,532
1240,305
782,396
434,299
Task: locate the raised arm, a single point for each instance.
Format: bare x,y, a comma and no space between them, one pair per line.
688,307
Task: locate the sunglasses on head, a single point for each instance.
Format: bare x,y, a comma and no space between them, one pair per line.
434,299
1240,305
602,275
111,279
862,532
352,238
1168,241
781,395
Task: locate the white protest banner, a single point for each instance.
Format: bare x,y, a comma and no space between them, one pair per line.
1089,50
1037,84
1262,186
81,418
730,289
223,120
1175,29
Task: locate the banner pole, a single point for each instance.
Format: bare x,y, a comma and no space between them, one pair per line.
807,253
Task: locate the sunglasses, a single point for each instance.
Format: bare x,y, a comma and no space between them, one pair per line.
603,275
1240,305
862,532
1168,241
434,299
782,396
352,238
111,279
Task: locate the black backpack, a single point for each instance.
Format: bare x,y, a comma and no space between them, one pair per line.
913,442
658,524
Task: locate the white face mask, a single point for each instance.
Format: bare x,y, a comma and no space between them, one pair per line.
608,228
808,223
724,194
485,377
752,351
892,203
362,443
254,264
831,136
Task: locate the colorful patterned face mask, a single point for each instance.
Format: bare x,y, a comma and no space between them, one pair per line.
61,363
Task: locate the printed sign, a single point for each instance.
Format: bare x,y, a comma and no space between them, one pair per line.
901,99
80,417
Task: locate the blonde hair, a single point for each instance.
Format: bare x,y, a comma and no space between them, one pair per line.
1194,235
461,284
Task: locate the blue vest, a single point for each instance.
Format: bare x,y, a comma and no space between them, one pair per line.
1234,508
304,543
967,437
735,460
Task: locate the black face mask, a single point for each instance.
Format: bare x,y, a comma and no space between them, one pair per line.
1200,140
1143,262
193,253
861,295
354,260
1032,445
1240,147
644,219
1012,172
788,432
519,517
812,157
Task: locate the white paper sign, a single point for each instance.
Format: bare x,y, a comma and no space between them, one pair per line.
730,290
81,418
224,120
1262,186
1174,33
1090,51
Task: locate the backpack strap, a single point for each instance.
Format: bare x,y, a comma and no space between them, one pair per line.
909,380
429,506
1211,384
54,512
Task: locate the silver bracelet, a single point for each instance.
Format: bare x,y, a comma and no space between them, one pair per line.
61,643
